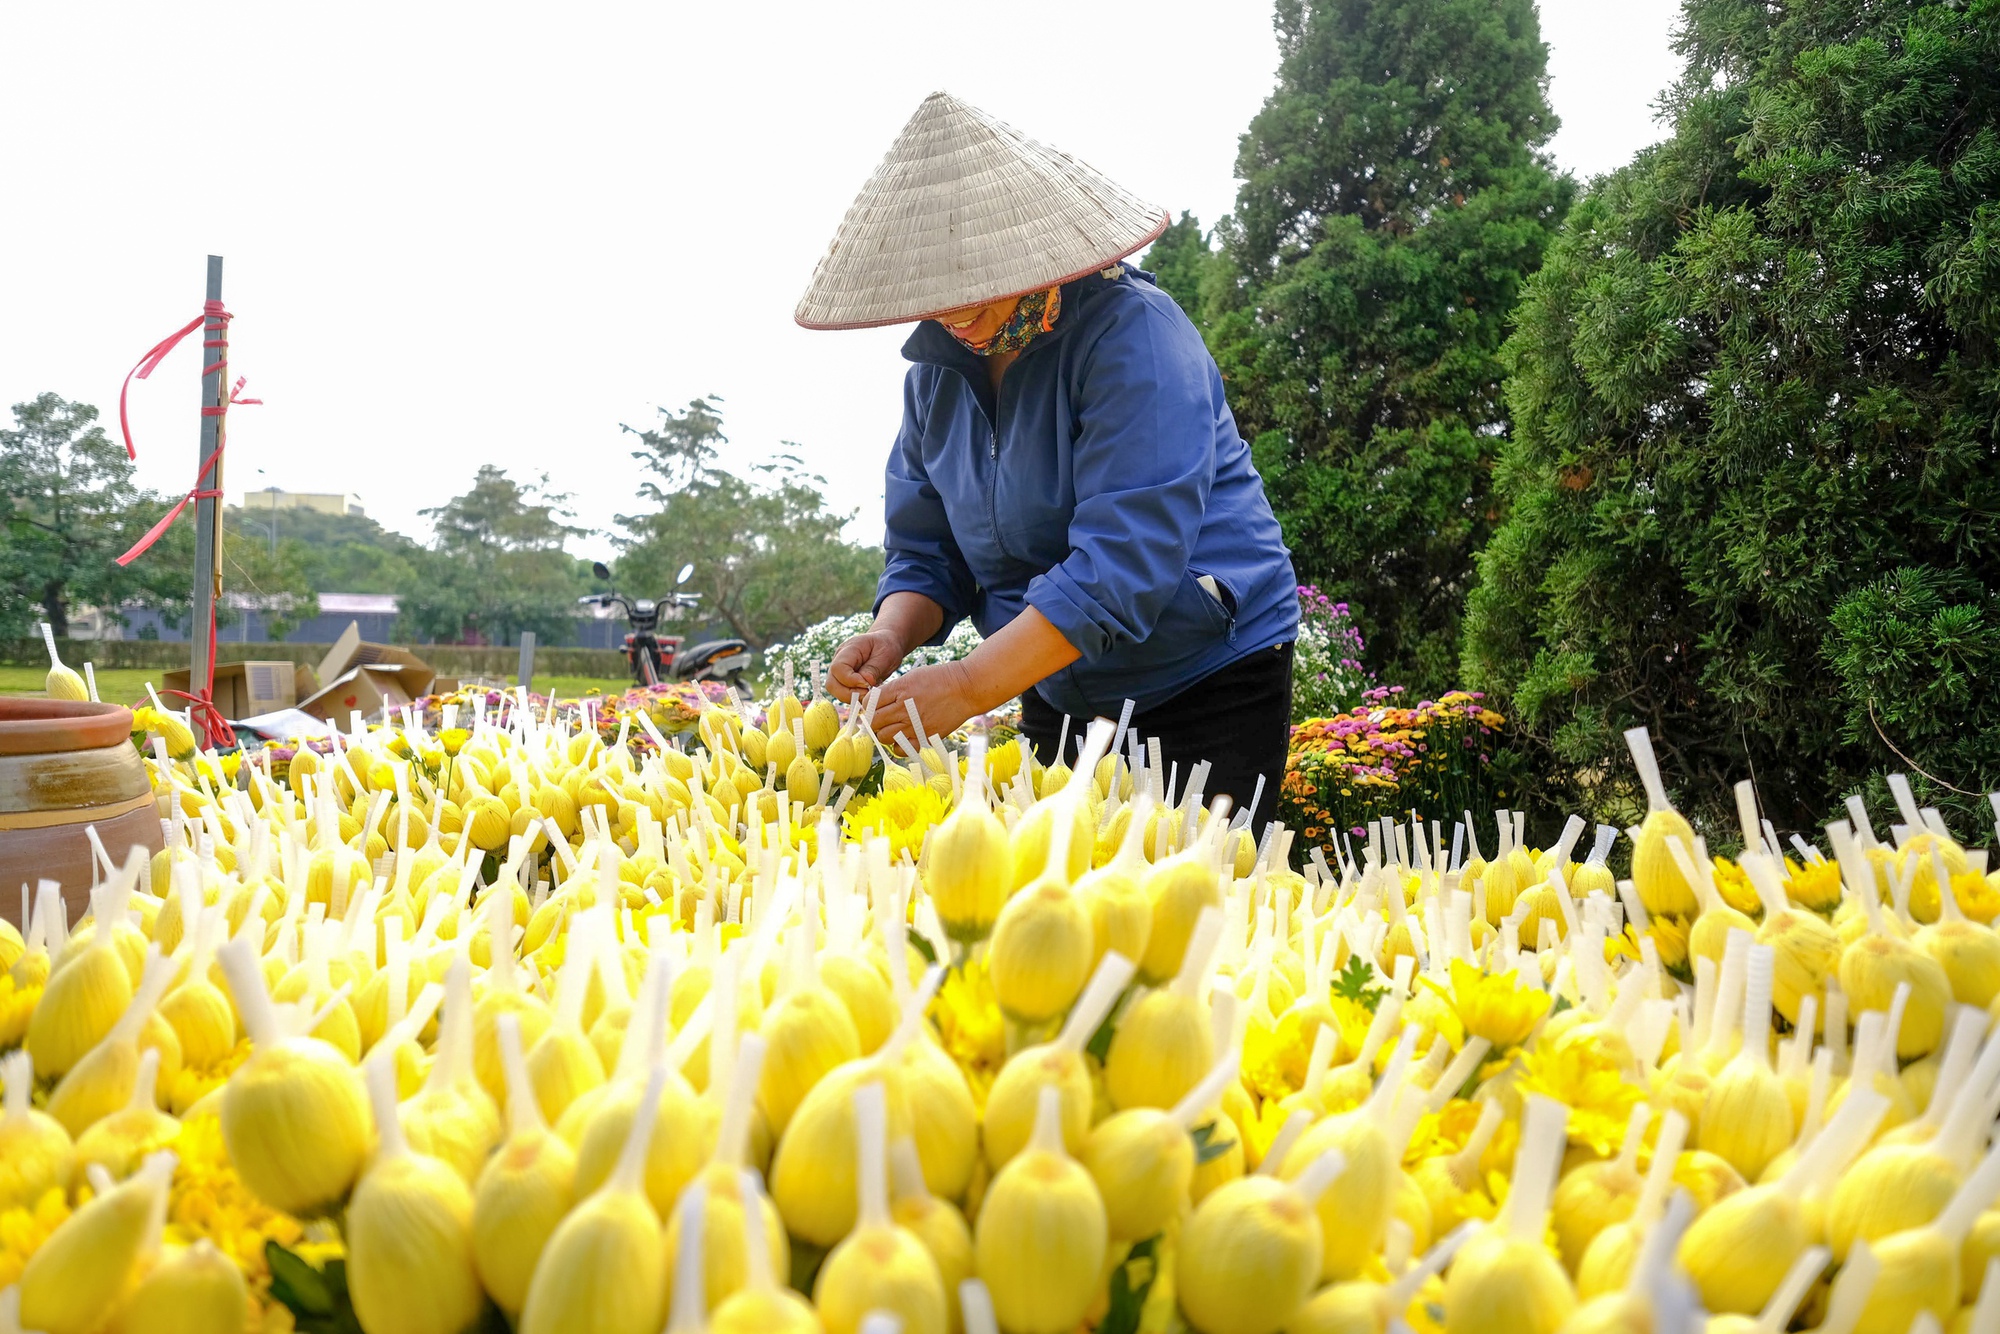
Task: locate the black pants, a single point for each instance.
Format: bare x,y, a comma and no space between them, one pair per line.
1239,719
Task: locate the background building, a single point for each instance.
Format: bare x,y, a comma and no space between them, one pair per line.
320,502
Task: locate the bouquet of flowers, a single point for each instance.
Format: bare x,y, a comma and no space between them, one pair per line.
1386,758
1327,675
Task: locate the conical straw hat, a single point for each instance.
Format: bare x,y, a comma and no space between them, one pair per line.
963,210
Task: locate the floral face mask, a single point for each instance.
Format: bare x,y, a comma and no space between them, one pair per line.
1034,315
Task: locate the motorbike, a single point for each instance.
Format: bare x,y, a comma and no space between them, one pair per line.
654,657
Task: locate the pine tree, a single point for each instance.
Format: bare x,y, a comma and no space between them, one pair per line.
1185,264
1395,197
1751,488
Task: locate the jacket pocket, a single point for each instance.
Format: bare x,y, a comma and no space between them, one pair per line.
1221,596
1195,614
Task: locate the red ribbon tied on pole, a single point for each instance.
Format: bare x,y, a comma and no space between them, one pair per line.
213,320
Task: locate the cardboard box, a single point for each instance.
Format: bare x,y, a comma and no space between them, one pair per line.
356,674
351,651
245,689
371,688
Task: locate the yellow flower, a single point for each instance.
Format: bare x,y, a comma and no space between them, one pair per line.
1161,1313
1578,1071
209,1200
1733,882
904,817
1444,1131
1434,1010
1978,895
17,1006
1670,937
453,739
1354,1019
193,1083
970,1027
168,727
1264,1126
1264,1061
1499,1009
24,1229
1815,886
1003,761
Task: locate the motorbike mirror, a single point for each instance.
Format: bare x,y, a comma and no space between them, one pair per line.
601,570
686,572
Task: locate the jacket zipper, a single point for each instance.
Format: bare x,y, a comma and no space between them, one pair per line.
993,480
993,456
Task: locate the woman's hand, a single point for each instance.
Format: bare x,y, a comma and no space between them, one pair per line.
944,696
864,662
868,659
1022,652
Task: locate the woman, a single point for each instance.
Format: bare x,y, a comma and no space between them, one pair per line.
1067,474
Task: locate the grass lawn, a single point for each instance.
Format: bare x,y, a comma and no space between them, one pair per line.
128,685
115,686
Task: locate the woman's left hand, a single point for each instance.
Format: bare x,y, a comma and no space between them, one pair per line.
943,696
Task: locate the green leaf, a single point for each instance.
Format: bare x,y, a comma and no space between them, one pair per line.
298,1285
1207,1148
922,946
317,1298
806,1260
1130,1283
1099,1045
1357,983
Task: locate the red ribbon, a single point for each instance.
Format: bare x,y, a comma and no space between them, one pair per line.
213,319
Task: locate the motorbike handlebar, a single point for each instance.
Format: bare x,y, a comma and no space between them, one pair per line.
607,599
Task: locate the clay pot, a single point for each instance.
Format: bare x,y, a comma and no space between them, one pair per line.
65,766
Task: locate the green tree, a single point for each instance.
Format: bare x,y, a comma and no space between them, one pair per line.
342,553
496,566
277,583
68,510
1751,487
769,556
1187,266
1394,198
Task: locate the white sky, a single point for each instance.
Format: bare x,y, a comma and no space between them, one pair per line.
459,234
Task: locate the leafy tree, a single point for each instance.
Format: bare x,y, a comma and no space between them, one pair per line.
769,557
1394,198
1752,501
279,583
496,566
68,509
342,553
1185,263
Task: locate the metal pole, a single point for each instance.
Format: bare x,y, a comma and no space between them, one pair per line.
525,673
207,517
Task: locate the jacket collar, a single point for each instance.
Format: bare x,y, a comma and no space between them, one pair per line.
929,344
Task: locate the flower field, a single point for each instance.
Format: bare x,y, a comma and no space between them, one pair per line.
624,1014
1385,758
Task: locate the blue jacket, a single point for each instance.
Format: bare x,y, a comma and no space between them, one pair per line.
1107,480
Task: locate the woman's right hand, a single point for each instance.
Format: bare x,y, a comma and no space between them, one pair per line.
864,662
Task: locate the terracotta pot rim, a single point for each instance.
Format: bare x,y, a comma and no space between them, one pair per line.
31,726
